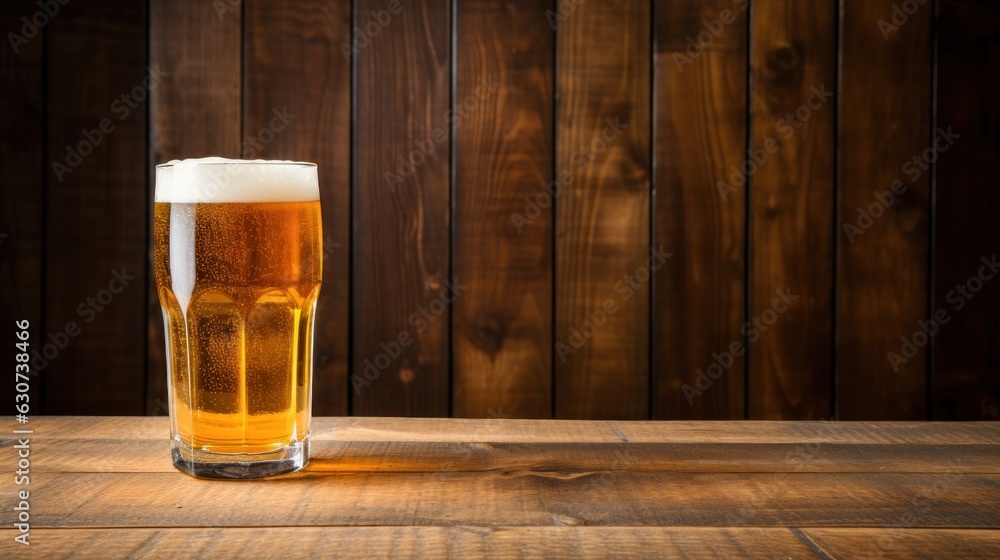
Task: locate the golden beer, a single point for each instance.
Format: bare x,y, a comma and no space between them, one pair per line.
238,263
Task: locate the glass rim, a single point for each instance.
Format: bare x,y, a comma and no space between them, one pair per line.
266,162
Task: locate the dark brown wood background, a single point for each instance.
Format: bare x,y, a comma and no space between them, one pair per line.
614,106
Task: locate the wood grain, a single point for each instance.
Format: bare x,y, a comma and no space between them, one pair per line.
401,227
904,543
96,213
507,542
555,431
792,209
882,277
295,66
21,162
390,246
337,455
518,498
110,445
401,542
195,112
603,256
503,156
104,487
701,131
966,363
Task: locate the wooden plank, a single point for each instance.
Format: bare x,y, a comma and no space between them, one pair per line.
401,209
701,128
904,543
196,109
503,154
335,455
882,277
295,67
518,498
21,160
603,258
792,209
505,542
966,368
96,206
555,431
420,542
386,542
195,112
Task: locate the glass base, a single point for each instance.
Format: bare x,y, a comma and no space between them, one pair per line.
205,464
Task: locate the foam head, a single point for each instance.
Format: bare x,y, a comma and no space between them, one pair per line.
216,179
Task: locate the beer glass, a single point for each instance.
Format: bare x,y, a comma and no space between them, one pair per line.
238,260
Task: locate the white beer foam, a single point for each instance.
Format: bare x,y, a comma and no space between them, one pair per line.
216,179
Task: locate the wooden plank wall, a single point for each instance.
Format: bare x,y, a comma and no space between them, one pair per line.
402,214
22,156
965,369
603,212
699,300
622,209
504,156
790,172
883,263
97,84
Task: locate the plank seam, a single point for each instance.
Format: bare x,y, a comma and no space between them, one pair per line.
747,210
43,231
149,213
932,205
553,172
837,191
651,309
352,211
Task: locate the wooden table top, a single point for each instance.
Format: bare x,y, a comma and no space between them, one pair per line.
385,487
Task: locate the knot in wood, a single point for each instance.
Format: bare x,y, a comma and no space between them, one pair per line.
489,332
784,63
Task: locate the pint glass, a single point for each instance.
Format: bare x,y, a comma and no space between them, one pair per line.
238,260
